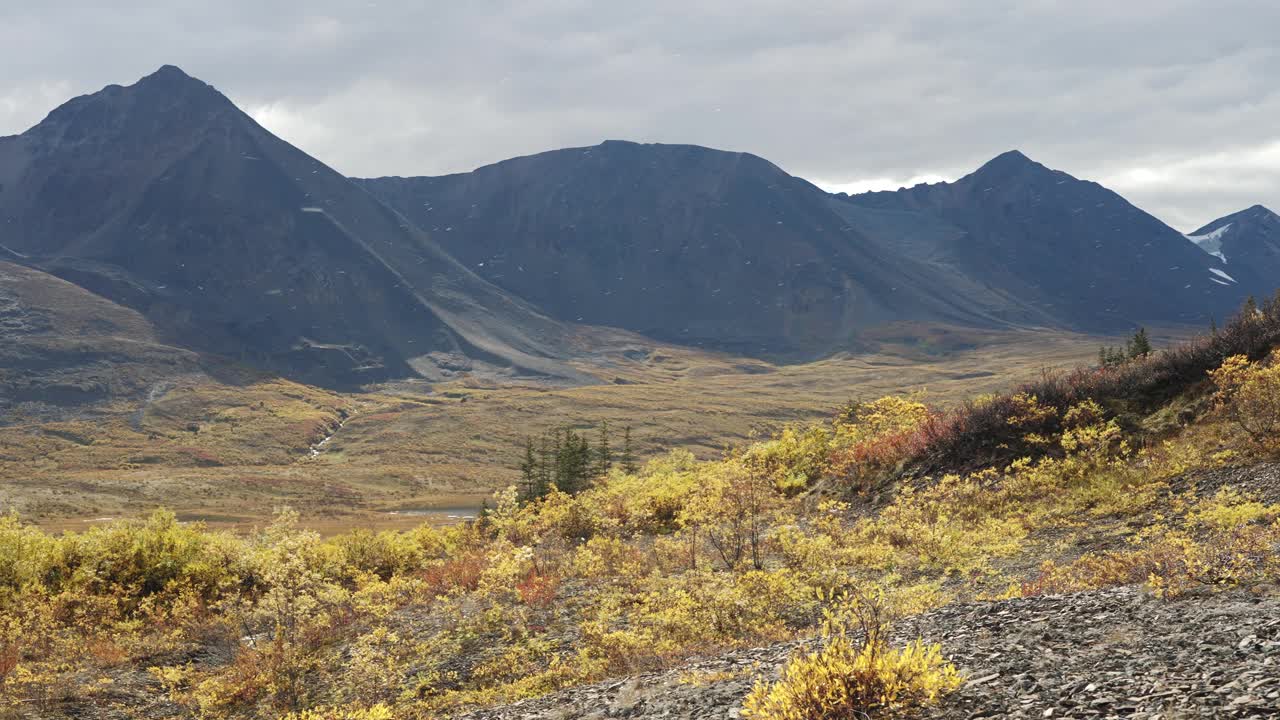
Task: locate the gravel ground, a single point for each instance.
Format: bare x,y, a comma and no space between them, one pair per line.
1116,653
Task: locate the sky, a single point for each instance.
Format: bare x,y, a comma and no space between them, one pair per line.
1173,103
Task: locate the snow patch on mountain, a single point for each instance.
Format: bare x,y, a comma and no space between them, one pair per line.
1212,242
1221,274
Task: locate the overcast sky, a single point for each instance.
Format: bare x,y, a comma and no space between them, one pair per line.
1173,103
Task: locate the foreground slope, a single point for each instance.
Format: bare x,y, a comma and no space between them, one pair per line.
165,197
1108,653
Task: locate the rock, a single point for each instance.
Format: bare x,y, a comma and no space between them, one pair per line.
1102,654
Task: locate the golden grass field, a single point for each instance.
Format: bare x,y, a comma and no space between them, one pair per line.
230,454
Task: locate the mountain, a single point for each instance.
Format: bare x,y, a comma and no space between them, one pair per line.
1071,248
709,247
1248,244
166,198
684,243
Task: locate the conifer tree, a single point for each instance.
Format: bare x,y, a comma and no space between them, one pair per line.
546,463
604,455
529,489
628,458
1140,344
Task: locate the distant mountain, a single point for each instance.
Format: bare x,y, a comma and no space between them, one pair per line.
1248,244
1070,248
698,245
165,197
685,243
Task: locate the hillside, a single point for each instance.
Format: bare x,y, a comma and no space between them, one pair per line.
165,198
62,346
1123,560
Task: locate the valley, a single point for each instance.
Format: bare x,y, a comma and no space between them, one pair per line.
229,453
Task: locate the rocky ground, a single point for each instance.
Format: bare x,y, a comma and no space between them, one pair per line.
1117,653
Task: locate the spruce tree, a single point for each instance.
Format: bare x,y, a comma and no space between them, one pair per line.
628,458
604,455
545,464
529,486
1140,345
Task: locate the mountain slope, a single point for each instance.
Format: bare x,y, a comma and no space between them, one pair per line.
1248,244
167,198
682,243
1071,248
61,345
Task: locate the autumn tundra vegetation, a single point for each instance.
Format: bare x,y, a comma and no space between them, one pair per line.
600,568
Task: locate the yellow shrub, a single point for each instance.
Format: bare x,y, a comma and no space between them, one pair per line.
1249,394
853,674
376,712
793,460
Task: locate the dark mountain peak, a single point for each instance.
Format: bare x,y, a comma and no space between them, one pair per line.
166,102
170,84
1011,158
1255,216
168,74
1248,242
618,165
1260,212
1011,165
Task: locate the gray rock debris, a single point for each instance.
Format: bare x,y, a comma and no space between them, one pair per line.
1116,653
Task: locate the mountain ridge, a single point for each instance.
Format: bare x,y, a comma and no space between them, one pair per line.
165,197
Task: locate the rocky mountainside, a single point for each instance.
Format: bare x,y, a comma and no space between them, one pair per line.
1100,654
1248,244
1073,249
166,198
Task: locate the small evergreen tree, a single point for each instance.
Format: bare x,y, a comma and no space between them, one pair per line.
628,458
1139,344
1112,356
604,455
546,463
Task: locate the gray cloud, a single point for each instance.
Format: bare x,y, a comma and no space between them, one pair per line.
1170,102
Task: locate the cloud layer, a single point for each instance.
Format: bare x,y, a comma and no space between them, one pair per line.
1171,102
